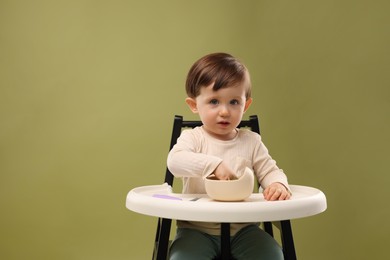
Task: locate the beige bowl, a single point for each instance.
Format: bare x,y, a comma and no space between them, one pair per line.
231,190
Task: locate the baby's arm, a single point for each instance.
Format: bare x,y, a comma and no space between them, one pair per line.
186,160
270,176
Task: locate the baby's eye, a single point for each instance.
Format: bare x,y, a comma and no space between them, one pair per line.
214,102
234,102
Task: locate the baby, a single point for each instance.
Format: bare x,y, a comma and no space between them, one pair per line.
219,90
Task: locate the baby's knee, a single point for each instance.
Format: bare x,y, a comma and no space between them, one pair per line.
192,245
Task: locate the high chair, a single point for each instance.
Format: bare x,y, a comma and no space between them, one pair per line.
164,225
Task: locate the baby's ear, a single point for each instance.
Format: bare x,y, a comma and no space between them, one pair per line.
192,104
247,104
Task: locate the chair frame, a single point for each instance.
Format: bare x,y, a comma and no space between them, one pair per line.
161,245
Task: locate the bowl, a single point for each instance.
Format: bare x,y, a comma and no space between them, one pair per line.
231,190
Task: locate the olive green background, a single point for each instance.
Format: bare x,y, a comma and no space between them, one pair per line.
88,91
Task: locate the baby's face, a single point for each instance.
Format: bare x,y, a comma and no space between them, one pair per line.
221,111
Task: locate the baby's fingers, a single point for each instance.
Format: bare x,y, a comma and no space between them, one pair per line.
273,193
285,195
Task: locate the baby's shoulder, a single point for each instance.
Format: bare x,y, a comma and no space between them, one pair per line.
249,137
192,133
247,133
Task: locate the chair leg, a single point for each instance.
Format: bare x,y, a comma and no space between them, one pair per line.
162,239
287,240
225,241
156,239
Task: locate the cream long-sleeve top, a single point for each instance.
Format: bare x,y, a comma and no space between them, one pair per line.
197,154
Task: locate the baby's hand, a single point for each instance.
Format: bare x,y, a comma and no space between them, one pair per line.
276,191
224,172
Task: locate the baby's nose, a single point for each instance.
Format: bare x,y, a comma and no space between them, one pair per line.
224,111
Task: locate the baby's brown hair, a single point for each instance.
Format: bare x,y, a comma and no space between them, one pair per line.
221,68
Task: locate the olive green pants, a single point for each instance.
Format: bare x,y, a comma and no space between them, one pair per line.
249,243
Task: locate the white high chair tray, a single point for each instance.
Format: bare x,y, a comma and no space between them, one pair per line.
160,201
